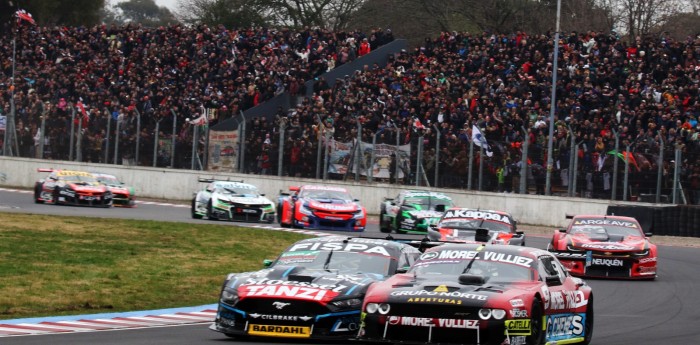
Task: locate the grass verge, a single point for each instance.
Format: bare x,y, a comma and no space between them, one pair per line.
51,265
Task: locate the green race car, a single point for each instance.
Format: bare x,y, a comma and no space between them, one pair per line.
412,211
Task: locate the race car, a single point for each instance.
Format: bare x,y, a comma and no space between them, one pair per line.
321,207
412,211
314,289
70,187
461,225
605,247
232,200
480,294
122,195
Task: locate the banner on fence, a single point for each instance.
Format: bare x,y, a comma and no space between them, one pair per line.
342,159
223,151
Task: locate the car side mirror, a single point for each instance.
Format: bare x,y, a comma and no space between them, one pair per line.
562,230
267,262
440,208
262,194
515,224
356,200
552,280
520,233
648,234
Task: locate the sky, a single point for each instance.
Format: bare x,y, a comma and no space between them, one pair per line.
170,4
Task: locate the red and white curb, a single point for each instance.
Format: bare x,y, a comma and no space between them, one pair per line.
103,324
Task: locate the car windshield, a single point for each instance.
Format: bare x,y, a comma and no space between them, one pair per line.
338,261
429,203
79,178
326,194
108,179
496,270
473,224
605,230
240,192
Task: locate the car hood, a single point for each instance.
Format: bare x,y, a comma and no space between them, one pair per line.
622,244
298,283
332,205
468,236
406,288
244,199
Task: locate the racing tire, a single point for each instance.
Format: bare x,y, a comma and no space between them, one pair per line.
194,214
37,194
55,196
382,225
536,336
209,212
588,324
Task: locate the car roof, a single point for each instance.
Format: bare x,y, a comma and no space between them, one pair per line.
427,193
598,216
321,187
72,173
233,184
478,210
378,241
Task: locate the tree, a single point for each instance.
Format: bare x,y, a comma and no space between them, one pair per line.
71,13
146,12
232,13
330,14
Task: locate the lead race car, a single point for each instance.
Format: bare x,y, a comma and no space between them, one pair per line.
462,225
412,211
71,187
314,289
232,200
480,294
321,207
605,247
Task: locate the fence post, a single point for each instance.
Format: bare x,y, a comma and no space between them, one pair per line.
358,151
319,148
370,173
242,144
156,138
572,152
138,136
79,144
573,188
617,151
109,129
471,164
194,145
481,167
419,159
280,151
627,173
660,169
523,162
437,153
43,130
116,141
398,156
72,133
172,140
326,149
676,174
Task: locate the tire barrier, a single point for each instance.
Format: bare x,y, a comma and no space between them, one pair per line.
674,220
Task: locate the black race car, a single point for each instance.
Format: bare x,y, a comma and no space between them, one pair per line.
313,290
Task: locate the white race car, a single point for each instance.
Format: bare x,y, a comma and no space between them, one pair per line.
233,201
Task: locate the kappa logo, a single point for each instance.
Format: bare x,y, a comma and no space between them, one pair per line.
280,305
476,215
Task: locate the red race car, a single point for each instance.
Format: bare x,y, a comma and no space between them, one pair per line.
321,207
606,247
463,224
69,187
480,294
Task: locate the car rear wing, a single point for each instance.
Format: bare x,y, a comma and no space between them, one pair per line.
210,180
569,216
45,170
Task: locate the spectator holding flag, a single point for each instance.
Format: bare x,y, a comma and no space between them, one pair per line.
479,140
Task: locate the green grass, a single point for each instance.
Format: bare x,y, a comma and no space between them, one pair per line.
53,265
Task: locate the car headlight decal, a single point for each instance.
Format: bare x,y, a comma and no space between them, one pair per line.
371,308
229,297
383,308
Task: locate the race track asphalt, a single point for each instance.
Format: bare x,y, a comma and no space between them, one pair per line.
663,311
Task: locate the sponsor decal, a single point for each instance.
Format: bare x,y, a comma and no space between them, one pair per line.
565,326
519,313
279,331
299,257
66,193
607,262
280,305
332,207
515,303
517,326
73,173
471,254
279,317
426,195
565,255
290,292
425,213
516,340
433,322
337,189
476,215
606,246
560,300
340,246
441,288
455,294
647,260
647,270
346,324
605,222
429,255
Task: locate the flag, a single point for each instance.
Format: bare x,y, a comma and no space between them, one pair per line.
624,155
479,140
24,15
199,121
84,115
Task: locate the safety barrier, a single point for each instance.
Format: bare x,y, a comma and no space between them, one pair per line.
672,220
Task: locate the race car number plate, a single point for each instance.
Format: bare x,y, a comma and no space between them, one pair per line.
279,331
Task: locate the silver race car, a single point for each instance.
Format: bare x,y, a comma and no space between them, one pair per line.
233,201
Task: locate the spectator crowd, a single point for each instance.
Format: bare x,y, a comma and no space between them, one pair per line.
644,90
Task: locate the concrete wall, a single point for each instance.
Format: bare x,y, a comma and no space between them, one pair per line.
180,184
